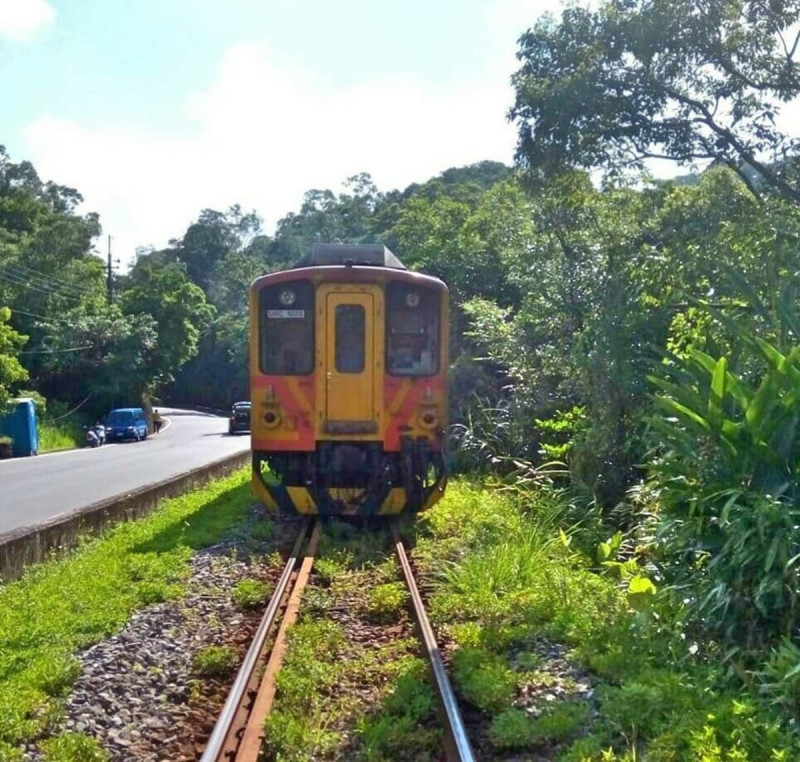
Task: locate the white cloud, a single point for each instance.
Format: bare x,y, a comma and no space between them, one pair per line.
21,19
265,133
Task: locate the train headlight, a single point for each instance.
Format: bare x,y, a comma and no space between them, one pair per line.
272,417
412,299
287,297
428,419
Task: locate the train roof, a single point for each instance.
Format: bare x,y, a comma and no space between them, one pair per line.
369,254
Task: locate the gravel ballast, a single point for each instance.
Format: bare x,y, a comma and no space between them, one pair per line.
134,694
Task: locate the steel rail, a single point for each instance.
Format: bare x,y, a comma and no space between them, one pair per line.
461,751
215,748
253,735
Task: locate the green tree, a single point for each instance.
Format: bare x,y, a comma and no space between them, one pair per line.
218,375
47,270
211,238
685,80
178,307
100,360
579,336
348,217
11,371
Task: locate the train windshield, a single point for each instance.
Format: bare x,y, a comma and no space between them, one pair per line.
287,329
412,335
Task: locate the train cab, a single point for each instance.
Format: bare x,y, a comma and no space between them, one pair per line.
348,384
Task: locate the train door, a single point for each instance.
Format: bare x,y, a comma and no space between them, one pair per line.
353,350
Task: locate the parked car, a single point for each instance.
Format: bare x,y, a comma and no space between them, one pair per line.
240,417
126,423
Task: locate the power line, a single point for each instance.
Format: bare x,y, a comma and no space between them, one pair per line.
18,280
46,276
53,351
45,281
17,311
39,284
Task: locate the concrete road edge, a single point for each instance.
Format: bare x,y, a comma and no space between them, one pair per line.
32,544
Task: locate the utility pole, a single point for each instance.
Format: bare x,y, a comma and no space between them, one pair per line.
108,281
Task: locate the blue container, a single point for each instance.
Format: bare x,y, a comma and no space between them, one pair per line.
20,425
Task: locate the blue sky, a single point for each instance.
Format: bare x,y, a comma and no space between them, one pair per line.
156,109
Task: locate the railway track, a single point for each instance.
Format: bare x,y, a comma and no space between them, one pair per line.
239,732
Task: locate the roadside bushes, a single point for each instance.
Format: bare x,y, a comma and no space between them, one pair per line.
727,476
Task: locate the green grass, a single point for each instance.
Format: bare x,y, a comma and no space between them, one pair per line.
505,573
298,727
386,601
61,606
73,747
358,698
249,593
215,661
515,729
53,436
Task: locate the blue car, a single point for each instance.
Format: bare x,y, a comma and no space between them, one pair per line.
126,423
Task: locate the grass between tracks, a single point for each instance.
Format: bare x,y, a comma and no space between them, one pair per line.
64,605
353,686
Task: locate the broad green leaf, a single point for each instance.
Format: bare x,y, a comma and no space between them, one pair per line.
716,398
640,584
684,393
686,413
640,593
762,403
772,355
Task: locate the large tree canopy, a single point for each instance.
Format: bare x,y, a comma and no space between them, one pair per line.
679,79
178,306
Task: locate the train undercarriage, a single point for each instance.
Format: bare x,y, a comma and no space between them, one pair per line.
351,478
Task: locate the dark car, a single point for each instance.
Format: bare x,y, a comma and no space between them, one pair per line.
240,417
126,423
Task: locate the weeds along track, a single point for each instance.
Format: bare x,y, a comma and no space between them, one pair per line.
348,679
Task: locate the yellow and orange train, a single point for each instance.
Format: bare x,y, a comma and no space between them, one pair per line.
348,364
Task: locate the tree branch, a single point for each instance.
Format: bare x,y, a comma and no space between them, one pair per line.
730,138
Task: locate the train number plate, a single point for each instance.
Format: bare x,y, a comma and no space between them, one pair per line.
286,313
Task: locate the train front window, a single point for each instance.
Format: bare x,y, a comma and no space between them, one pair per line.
412,330
287,329
350,335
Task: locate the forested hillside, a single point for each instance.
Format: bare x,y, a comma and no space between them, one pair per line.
630,345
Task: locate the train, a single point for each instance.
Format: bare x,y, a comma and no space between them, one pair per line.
348,384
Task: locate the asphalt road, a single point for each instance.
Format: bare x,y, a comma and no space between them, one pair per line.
35,489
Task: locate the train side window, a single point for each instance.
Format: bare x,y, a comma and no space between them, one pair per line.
412,335
287,329
350,335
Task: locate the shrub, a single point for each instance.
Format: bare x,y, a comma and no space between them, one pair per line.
73,747
484,679
512,729
215,661
385,601
728,470
249,593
